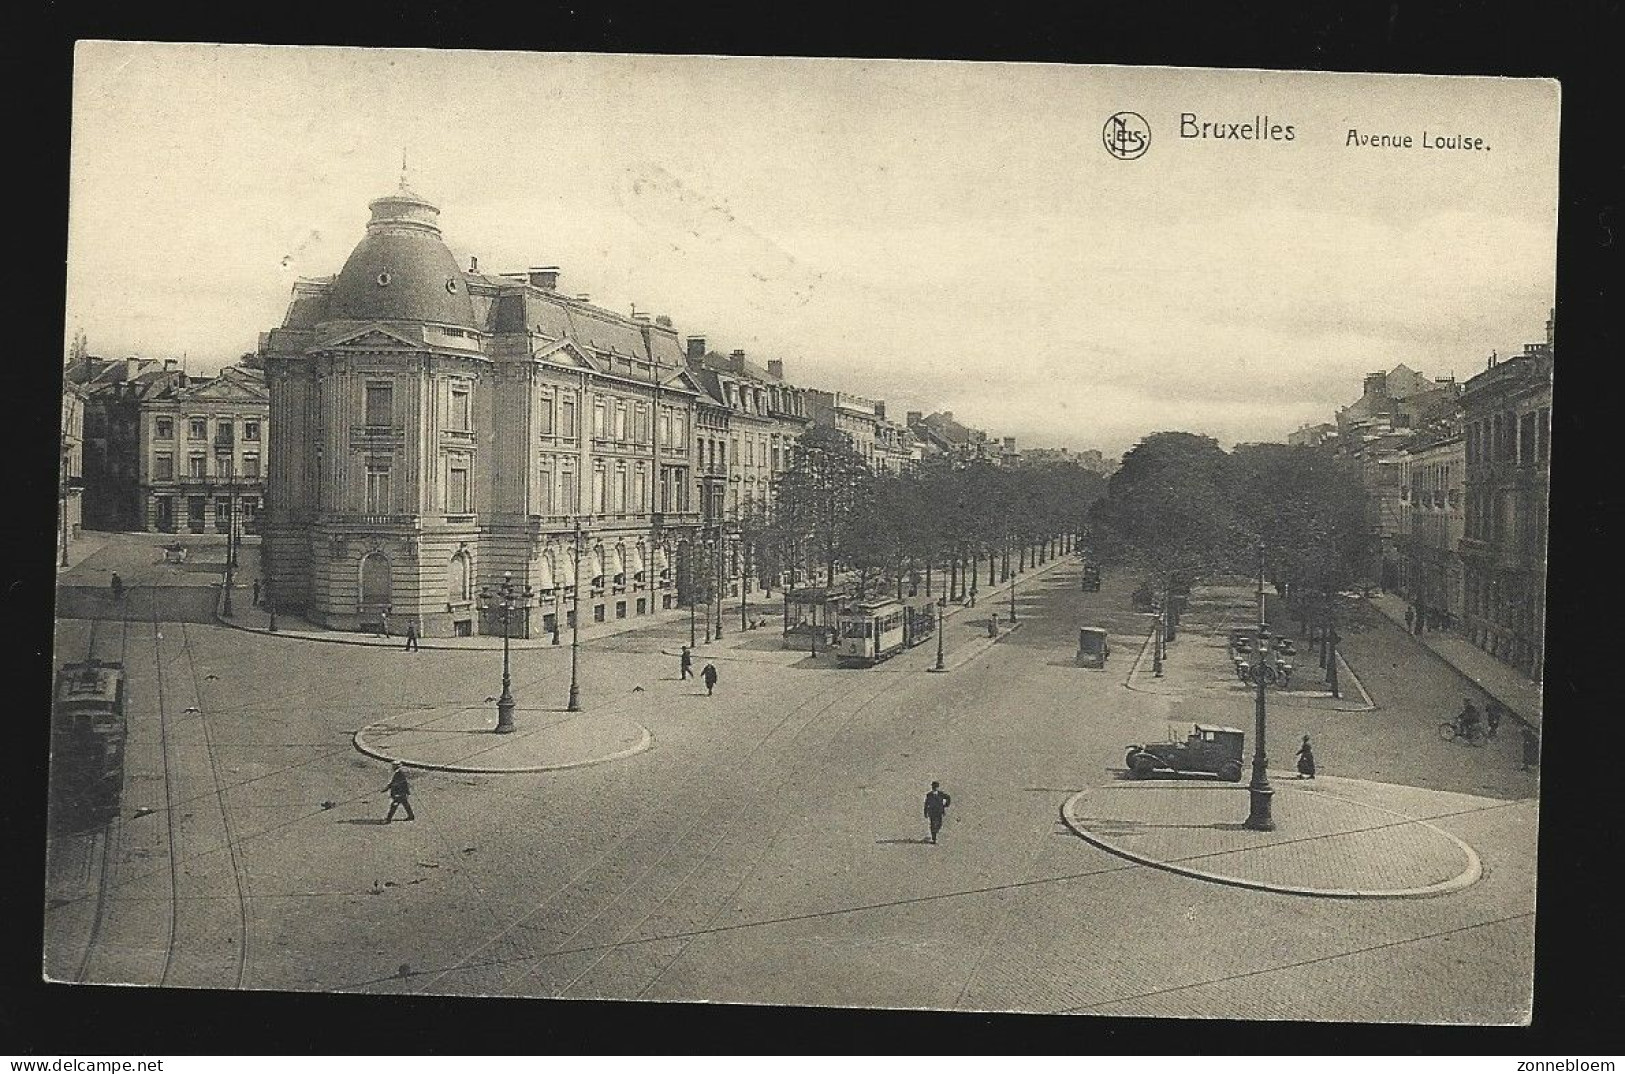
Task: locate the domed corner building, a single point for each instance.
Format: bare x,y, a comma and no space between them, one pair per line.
438,428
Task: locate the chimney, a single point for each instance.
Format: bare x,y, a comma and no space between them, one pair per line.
169,365
880,410
663,321
736,361
545,278
947,415
775,367
696,347
915,417
1009,443
131,365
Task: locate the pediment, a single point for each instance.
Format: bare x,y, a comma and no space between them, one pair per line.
373,338
565,353
683,381
228,387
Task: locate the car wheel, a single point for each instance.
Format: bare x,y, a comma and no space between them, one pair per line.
1231,772
1141,766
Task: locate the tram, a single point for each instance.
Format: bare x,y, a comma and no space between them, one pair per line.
919,620
87,739
869,632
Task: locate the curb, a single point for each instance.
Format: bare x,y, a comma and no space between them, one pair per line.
1465,879
645,742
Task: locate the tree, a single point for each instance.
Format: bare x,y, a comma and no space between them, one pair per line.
819,491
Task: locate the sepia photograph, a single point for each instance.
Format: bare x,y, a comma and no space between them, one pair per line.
824,533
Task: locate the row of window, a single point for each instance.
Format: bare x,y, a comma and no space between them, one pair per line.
1525,439
621,489
197,465
198,429
714,453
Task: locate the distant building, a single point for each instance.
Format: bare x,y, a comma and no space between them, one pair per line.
946,437
742,450
1506,415
1392,409
72,473
854,415
114,391
201,448
1313,435
1432,474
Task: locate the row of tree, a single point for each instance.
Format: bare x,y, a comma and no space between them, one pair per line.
960,521
1180,507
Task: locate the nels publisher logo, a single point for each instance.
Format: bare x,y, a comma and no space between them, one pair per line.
1127,135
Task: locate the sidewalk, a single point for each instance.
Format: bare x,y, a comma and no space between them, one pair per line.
1505,684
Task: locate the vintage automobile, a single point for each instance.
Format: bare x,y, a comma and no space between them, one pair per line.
1208,748
1091,578
1093,648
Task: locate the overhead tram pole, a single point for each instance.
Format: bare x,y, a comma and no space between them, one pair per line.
574,704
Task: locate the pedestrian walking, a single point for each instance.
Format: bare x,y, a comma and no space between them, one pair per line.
383,624
400,793
1531,747
936,807
411,635
1410,619
709,674
993,626
1492,717
685,665
1306,760
1467,721
116,584
256,592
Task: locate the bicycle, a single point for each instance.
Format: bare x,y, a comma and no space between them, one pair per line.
1472,734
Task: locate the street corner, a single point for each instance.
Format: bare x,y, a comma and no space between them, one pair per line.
543,741
1327,843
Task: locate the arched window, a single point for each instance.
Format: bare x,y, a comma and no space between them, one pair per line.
634,562
544,573
619,560
459,579
595,567
376,585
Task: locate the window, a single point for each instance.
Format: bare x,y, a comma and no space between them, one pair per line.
640,425
569,417
197,429
380,405
640,500
163,467
620,421
600,490
165,429
665,426
378,498
1543,435
376,584
223,431
251,466
598,419
567,492
620,487
459,410
544,415
251,430
457,489
1526,439
196,466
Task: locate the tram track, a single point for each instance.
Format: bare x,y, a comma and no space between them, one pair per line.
106,842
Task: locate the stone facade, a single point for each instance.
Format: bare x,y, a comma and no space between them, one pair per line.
442,432
202,448
1506,415
1432,514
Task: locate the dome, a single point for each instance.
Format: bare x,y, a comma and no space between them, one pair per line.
402,270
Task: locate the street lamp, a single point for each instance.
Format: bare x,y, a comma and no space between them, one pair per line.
722,562
1259,791
231,556
502,599
574,704
1012,600
940,666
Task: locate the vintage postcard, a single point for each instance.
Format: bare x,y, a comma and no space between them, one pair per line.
812,532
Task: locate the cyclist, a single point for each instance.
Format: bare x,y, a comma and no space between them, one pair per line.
1467,722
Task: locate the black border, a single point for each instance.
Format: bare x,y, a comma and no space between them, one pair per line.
1577,997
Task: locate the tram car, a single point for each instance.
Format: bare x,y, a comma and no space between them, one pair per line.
919,620
87,740
870,632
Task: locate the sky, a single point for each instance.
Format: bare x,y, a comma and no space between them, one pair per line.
940,235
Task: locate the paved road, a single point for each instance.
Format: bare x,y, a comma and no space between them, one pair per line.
769,848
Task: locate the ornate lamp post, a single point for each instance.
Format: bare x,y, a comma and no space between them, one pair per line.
939,665
503,599
574,704
1259,791
1012,600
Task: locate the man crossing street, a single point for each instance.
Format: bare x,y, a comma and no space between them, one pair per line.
400,791
936,807
685,665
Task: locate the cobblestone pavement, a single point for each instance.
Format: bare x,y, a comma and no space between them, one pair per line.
769,848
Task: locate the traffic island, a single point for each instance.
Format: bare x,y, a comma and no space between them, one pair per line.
463,741
1336,844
